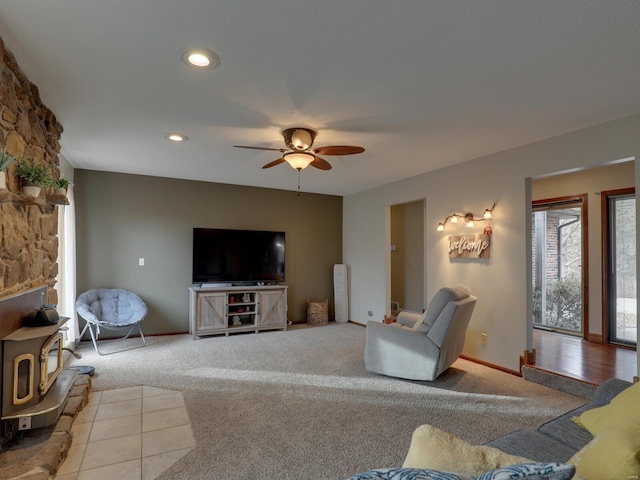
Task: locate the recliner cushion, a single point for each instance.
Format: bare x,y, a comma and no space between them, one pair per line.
441,299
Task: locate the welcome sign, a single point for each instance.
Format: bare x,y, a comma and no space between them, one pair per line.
470,246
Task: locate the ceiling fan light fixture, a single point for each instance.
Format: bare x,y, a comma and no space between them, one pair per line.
200,58
299,160
301,139
299,153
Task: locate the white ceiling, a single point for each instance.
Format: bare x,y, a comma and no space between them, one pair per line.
420,84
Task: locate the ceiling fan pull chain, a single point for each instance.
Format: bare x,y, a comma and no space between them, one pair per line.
299,169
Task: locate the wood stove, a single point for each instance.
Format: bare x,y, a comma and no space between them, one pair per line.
35,387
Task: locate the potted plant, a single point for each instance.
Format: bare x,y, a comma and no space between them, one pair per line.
34,175
5,161
60,186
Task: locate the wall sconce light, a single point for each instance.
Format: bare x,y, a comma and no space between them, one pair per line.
469,219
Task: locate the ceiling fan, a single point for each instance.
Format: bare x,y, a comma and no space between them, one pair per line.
299,153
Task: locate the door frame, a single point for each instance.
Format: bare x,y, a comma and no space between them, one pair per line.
422,239
584,274
605,195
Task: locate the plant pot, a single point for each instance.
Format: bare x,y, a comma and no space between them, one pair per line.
3,180
60,191
31,190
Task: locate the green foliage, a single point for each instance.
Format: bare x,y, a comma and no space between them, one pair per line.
564,304
5,160
61,183
36,173
537,304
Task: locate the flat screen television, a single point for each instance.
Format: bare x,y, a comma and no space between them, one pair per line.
240,256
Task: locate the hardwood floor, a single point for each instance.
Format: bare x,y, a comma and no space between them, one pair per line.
587,361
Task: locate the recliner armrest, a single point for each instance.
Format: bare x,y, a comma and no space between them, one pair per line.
408,319
400,352
402,338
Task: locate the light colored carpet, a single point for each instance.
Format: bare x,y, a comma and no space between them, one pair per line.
301,405
559,382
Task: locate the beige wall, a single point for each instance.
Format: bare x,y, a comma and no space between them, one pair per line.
502,283
590,182
121,218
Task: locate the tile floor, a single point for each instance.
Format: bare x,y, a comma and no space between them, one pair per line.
133,433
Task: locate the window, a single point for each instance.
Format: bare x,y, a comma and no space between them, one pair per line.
559,243
619,265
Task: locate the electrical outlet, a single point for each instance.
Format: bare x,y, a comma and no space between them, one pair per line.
370,313
483,338
24,423
141,262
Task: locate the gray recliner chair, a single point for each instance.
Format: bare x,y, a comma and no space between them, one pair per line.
111,309
421,346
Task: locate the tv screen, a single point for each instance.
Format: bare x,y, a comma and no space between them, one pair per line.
221,255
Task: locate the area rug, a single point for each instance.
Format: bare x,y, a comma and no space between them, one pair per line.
300,404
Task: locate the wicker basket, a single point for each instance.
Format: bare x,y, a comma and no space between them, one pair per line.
317,312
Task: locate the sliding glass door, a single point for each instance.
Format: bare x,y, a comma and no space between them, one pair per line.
559,236
620,277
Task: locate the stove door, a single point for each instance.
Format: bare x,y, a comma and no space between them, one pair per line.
23,376
50,362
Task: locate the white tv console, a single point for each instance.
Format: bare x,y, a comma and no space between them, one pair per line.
223,310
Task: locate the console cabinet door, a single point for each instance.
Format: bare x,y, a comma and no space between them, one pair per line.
272,309
211,311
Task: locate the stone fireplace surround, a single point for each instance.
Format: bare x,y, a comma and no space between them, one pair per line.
28,255
28,228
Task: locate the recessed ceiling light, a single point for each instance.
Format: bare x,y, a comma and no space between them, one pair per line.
176,137
200,58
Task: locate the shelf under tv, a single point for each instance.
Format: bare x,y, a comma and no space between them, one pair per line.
213,309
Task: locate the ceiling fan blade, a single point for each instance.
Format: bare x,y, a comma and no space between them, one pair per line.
337,150
263,148
274,163
321,163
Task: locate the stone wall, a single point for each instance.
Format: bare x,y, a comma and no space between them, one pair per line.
28,229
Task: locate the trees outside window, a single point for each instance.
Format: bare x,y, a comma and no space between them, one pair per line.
558,252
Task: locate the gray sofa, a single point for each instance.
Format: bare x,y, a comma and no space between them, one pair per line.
559,439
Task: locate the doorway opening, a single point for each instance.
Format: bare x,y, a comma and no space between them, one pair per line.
407,256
